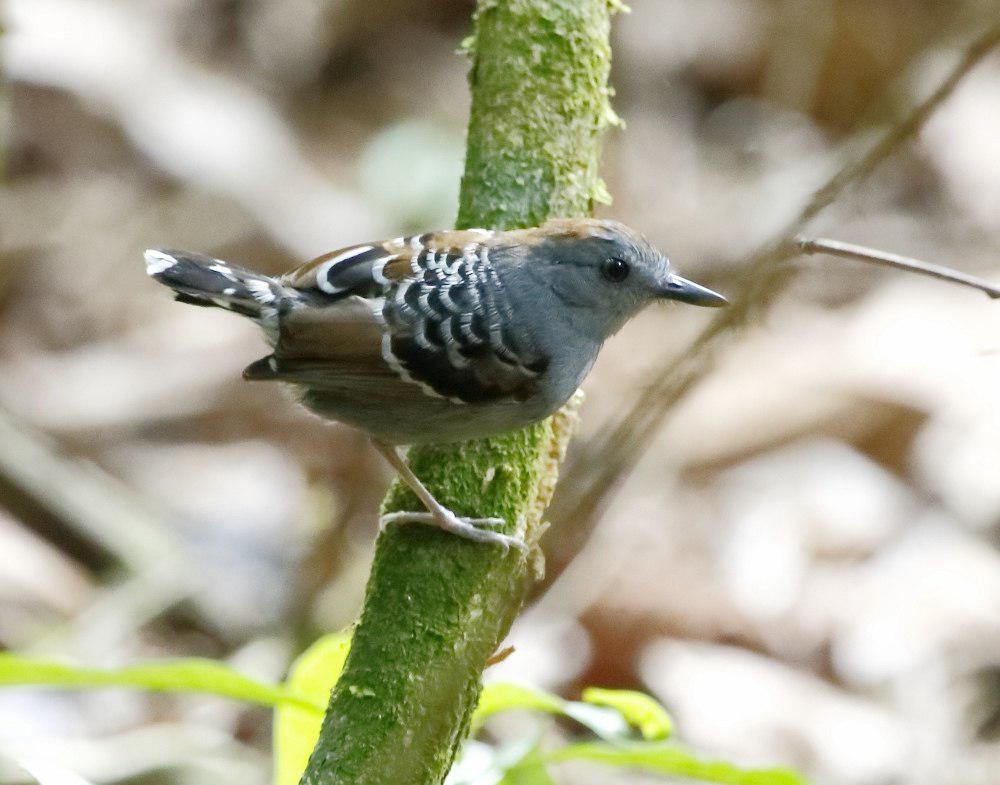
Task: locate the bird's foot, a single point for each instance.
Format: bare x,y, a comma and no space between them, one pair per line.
475,529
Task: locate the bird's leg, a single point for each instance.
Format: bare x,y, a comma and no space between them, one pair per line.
437,514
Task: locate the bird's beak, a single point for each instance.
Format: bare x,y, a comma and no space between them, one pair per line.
686,291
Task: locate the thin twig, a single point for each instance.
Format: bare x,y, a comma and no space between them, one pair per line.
589,482
903,131
821,245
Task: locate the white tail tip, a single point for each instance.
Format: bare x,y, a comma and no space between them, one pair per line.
158,261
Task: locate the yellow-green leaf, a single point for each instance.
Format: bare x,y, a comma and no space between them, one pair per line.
504,697
639,710
296,729
674,760
187,675
530,770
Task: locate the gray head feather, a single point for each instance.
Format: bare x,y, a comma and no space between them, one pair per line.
600,272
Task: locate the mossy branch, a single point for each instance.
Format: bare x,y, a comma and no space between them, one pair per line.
436,607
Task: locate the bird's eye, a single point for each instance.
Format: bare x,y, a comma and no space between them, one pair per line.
615,270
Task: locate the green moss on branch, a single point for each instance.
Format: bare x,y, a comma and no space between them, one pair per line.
436,607
540,101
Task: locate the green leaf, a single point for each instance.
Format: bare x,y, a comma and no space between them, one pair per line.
505,697
639,710
300,703
296,729
674,760
529,770
609,721
603,722
187,675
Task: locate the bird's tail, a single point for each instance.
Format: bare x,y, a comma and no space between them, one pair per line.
201,280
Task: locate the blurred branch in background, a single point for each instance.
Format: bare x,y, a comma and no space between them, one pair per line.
94,515
593,476
821,245
106,527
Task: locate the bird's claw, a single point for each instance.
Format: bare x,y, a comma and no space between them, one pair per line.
475,529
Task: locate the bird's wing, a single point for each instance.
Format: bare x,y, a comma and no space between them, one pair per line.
430,310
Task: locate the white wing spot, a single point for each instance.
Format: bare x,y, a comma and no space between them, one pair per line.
422,341
324,269
157,261
268,320
451,348
444,292
393,362
377,304
260,290
465,327
224,271
377,271
456,265
400,297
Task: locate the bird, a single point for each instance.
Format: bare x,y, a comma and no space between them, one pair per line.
443,336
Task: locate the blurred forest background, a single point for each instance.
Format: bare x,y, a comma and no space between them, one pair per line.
804,564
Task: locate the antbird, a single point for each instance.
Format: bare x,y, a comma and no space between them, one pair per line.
442,336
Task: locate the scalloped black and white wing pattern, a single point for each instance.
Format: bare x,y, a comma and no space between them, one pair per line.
442,320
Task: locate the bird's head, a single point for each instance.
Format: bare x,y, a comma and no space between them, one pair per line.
606,272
